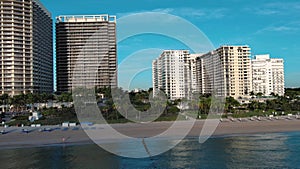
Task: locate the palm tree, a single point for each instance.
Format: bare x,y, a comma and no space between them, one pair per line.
30,100
254,105
259,94
114,107
204,105
4,99
19,101
252,94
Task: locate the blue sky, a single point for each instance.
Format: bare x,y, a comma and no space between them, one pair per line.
267,26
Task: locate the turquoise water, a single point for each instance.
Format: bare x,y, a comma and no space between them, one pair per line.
275,150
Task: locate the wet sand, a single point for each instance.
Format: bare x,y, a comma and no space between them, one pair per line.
14,137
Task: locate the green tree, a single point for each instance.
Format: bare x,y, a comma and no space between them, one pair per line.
259,94
64,97
4,98
30,99
231,104
204,105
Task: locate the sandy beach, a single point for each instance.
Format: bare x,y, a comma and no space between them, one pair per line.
14,137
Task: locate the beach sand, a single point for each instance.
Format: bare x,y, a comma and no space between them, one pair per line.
76,135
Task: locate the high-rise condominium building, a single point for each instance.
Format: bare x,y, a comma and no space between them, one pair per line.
268,75
171,74
225,71
194,72
26,47
210,74
86,51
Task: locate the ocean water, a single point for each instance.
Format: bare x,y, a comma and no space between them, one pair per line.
273,150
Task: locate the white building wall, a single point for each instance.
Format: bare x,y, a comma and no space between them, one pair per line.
268,75
171,74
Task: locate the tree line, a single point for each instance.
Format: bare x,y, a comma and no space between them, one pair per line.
290,102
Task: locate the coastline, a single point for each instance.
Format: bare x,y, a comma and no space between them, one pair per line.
15,138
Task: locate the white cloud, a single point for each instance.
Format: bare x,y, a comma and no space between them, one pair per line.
186,12
284,5
287,28
276,8
280,28
266,12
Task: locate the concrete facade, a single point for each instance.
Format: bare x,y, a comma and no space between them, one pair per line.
268,75
225,71
86,51
171,74
26,47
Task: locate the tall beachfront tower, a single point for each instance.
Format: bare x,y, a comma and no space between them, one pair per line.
225,71
194,72
171,73
88,42
237,70
268,75
26,47
210,74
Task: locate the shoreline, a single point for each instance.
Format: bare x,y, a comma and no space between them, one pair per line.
60,136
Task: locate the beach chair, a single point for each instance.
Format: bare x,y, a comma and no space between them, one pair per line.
3,132
25,131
